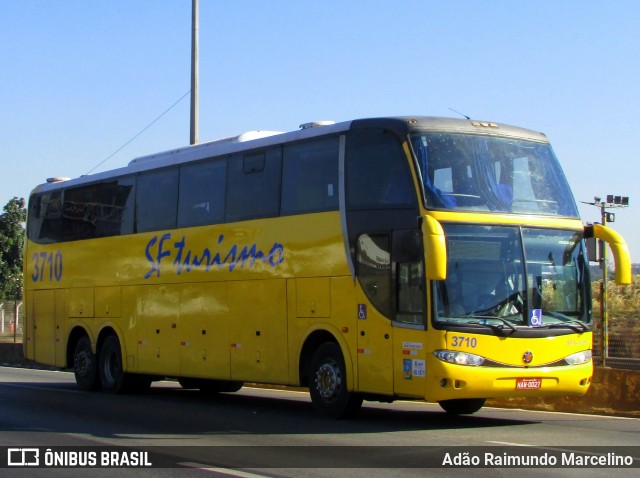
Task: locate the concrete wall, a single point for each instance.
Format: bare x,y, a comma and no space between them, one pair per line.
612,392
11,354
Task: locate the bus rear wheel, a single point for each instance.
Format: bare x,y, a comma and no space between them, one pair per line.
112,375
85,366
462,406
110,365
328,384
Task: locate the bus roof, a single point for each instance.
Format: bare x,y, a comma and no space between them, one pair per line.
251,140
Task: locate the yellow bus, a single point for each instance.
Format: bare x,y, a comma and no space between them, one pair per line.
375,259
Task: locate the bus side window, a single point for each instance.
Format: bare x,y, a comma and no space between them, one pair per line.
202,193
157,200
373,261
80,213
115,207
409,269
378,175
45,214
310,177
253,189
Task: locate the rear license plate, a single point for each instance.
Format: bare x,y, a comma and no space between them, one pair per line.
528,383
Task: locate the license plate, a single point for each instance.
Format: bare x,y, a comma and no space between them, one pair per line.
528,383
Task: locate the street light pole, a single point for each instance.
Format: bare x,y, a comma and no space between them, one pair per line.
604,309
194,73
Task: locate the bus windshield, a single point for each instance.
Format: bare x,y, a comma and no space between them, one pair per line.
513,276
473,172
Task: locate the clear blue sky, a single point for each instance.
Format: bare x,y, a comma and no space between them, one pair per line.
78,79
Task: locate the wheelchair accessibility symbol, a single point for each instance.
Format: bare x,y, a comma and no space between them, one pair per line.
362,311
536,318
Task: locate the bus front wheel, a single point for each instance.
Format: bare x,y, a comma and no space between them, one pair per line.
328,384
85,366
462,406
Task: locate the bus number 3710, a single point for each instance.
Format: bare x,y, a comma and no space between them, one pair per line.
462,341
47,266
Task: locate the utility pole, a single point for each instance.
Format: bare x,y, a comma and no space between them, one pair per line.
194,73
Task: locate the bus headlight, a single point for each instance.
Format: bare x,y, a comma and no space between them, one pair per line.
459,358
579,358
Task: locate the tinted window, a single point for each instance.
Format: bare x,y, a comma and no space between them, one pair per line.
79,215
94,210
254,185
157,200
373,266
378,175
45,217
202,193
115,207
310,177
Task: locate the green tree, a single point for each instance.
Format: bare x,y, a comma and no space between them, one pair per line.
11,245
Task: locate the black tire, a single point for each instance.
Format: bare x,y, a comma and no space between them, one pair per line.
328,384
462,406
231,386
112,375
110,366
85,366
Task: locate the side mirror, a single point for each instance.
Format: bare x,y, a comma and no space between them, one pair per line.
618,248
435,249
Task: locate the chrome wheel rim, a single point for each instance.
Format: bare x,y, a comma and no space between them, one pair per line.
328,380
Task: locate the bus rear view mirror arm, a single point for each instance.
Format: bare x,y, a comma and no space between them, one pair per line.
435,249
618,247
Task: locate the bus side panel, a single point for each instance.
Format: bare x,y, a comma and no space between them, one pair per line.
375,370
44,324
155,311
108,302
60,329
313,297
29,331
204,331
409,362
338,318
80,302
258,330
345,319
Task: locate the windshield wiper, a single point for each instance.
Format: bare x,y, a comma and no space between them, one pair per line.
497,328
571,324
564,321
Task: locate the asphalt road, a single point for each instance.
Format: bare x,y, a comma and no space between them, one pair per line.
259,432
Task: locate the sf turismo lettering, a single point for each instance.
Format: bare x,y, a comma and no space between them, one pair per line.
184,259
